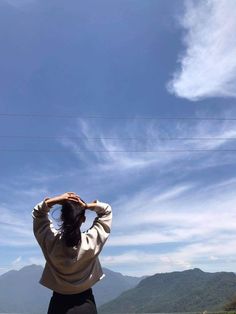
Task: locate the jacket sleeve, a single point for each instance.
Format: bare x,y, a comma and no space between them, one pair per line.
97,235
43,228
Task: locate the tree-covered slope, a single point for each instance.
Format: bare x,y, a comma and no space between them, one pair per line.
187,291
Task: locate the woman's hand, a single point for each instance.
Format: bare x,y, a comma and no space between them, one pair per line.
60,199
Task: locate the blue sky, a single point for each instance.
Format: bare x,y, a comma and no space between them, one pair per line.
85,61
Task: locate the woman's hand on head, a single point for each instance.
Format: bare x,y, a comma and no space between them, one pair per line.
60,199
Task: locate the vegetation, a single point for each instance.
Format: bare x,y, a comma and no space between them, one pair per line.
231,305
187,291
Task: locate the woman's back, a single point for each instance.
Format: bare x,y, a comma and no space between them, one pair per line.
75,269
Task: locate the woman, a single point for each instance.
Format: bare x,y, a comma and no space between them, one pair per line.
72,265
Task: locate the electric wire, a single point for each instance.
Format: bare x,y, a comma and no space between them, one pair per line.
76,115
166,138
118,138
115,151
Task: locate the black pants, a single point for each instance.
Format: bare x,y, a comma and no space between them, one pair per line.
80,303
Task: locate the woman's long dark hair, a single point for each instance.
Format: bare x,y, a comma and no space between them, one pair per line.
71,215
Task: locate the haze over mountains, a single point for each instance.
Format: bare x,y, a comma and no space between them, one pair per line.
20,291
183,291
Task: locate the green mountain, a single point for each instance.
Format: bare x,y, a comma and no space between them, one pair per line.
20,291
186,291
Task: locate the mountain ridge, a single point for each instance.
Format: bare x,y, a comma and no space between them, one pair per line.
179,291
20,290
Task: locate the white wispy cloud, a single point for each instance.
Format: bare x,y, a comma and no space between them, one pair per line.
150,146
15,219
17,260
208,63
202,222
167,204
172,213
192,216
154,262
210,255
19,3
36,260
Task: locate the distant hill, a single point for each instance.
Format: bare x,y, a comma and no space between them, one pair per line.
21,292
113,285
186,291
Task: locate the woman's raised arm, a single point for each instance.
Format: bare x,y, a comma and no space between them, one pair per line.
97,235
42,226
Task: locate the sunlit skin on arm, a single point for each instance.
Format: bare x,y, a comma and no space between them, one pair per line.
69,196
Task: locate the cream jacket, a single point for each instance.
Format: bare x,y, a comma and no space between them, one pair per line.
70,270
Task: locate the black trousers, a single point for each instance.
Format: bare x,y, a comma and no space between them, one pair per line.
79,303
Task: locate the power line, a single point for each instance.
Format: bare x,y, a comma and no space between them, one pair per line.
76,115
118,138
116,151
